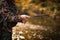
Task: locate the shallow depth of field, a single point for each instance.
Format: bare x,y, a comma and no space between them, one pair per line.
37,28
43,23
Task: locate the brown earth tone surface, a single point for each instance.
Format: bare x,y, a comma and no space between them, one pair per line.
28,31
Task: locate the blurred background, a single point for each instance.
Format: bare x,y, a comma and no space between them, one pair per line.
45,14
44,21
